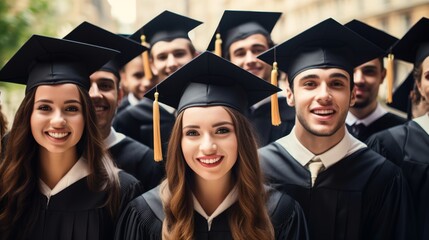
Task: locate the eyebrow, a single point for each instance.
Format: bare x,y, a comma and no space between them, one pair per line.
333,75
50,101
214,125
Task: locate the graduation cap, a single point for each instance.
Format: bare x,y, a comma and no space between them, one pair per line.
401,97
325,45
236,25
384,41
49,61
413,47
91,34
209,80
166,26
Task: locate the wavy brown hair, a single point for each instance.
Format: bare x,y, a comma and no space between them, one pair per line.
249,218
19,176
3,129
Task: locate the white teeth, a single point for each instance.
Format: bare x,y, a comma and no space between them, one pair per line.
99,108
57,135
210,161
323,112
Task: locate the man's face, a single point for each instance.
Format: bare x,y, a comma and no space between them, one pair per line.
135,80
243,53
104,95
367,79
167,57
322,98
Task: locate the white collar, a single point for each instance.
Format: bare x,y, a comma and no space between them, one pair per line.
423,121
376,114
344,148
230,199
132,99
113,138
79,170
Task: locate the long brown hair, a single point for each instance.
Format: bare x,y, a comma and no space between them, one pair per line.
249,218
19,176
3,129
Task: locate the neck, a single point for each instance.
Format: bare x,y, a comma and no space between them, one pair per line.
53,166
364,112
105,132
319,144
210,194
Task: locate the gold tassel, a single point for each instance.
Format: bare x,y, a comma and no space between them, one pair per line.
218,45
275,113
157,148
145,57
389,77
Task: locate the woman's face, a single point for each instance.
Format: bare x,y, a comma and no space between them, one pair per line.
57,121
423,84
209,142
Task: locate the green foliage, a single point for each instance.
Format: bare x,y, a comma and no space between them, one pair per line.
17,24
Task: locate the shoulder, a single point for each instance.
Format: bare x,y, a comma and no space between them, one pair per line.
280,205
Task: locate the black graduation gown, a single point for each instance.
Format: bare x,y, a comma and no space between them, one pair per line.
136,122
261,120
386,121
137,160
408,146
142,219
75,212
362,196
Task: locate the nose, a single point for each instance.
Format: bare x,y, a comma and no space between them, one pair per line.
171,61
250,58
94,92
208,146
324,94
358,77
58,120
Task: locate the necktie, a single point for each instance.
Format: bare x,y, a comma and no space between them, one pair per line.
315,166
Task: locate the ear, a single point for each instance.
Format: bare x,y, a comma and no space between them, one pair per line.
152,67
383,75
290,98
353,97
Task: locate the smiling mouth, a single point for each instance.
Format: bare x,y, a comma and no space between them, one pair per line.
323,112
210,160
58,135
100,108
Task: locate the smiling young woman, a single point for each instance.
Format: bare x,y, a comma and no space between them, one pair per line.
214,187
56,180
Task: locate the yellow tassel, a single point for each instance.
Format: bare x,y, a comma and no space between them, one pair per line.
389,78
275,113
218,45
145,57
157,148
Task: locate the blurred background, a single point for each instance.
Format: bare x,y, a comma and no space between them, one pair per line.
19,19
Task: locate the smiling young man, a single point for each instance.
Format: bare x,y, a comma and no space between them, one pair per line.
130,155
367,116
245,35
170,48
346,190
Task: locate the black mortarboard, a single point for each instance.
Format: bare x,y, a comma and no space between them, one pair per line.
211,80
165,27
48,61
401,97
236,25
413,47
325,45
91,34
380,38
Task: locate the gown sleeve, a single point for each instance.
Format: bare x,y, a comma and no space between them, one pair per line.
287,216
138,221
